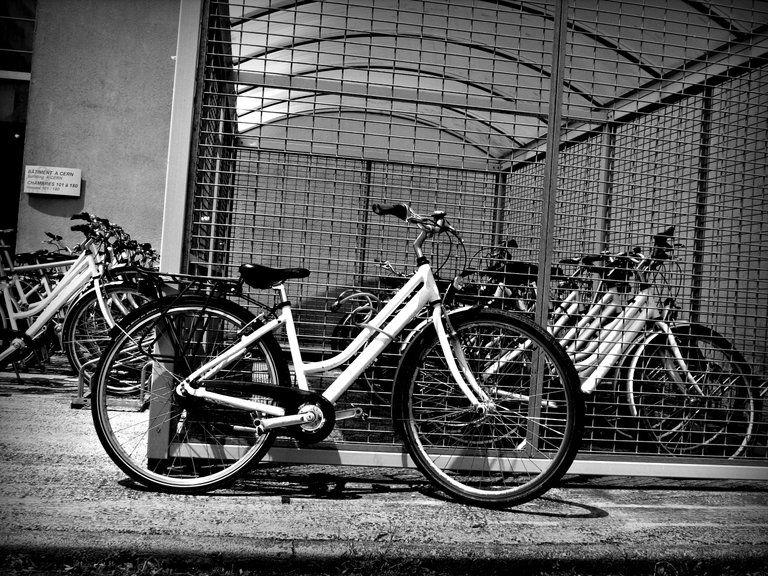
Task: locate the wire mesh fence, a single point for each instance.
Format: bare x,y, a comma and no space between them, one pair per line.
311,112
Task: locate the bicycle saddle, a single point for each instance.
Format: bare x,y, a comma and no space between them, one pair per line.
258,276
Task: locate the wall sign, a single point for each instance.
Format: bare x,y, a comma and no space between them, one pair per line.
52,180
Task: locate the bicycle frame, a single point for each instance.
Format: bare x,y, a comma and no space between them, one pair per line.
609,329
420,291
43,285
83,270
615,338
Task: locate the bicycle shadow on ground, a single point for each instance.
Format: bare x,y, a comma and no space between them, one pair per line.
308,483
544,506
301,486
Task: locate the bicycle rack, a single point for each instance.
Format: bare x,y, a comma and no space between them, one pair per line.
82,400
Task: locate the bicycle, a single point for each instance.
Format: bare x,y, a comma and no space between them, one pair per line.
212,388
127,283
686,386
37,296
31,276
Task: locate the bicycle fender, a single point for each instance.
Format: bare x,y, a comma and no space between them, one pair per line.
684,329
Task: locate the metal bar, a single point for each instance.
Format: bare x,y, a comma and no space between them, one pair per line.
349,455
499,205
549,192
702,194
606,184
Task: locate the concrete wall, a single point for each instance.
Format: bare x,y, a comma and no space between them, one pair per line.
100,100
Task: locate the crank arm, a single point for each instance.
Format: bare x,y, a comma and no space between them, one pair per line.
350,413
231,401
276,422
282,421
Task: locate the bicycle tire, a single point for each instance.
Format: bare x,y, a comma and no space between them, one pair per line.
85,331
516,451
717,421
174,444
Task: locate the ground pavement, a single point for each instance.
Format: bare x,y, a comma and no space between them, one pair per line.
61,496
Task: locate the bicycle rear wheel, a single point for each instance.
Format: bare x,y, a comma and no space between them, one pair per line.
709,411
172,443
528,434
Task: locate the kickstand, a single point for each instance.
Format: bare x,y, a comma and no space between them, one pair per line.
16,370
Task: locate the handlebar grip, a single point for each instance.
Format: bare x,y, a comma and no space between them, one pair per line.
592,259
664,239
84,228
399,210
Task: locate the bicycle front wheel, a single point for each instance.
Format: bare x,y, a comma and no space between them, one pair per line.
161,439
85,332
521,440
702,405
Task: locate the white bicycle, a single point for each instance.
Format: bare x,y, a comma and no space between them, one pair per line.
74,301
211,388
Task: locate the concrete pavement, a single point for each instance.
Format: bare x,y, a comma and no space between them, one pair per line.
61,497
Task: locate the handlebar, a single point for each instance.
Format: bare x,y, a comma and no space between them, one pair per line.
401,211
431,225
83,228
617,267
664,239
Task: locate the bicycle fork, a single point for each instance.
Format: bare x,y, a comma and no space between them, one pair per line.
457,361
665,329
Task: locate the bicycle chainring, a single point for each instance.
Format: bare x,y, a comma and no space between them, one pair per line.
321,427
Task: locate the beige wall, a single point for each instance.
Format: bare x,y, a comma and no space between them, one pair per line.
100,100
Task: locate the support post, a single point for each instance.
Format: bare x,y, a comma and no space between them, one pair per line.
549,192
182,113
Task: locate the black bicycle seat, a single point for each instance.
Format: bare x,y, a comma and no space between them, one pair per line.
258,276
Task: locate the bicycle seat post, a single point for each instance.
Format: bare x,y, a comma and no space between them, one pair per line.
293,338
283,293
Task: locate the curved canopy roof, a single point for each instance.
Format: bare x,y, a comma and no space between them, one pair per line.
472,77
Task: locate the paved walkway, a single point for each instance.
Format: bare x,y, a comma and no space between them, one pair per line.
61,497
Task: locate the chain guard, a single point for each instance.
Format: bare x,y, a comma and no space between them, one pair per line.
293,400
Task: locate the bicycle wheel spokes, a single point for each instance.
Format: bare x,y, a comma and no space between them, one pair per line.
172,442
514,446
709,411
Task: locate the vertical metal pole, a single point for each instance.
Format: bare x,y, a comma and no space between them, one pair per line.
365,207
549,192
607,156
216,197
701,205
499,204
